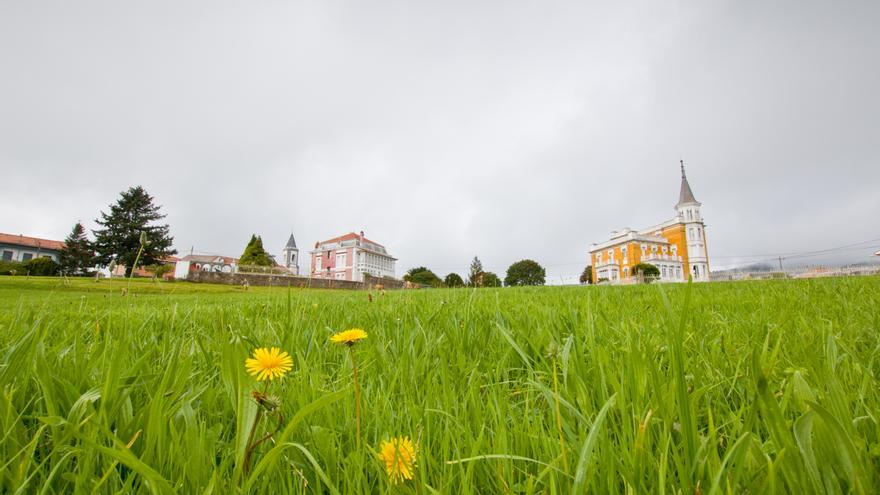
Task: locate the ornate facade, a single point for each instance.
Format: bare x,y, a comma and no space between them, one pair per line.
677,247
349,257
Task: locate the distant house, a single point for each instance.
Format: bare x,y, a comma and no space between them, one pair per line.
119,270
23,248
349,257
204,263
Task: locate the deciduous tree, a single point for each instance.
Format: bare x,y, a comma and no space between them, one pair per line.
587,275
489,279
525,272
424,276
453,280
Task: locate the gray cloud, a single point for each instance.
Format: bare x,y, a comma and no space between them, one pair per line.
447,129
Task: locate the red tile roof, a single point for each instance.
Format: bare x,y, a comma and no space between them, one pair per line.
33,242
348,237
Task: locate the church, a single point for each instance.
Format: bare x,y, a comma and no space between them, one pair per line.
677,247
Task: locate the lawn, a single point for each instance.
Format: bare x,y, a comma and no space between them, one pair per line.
741,387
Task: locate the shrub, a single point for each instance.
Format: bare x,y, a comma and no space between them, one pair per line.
11,268
159,271
649,271
41,267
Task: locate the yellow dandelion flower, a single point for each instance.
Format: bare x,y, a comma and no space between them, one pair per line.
269,364
349,337
399,456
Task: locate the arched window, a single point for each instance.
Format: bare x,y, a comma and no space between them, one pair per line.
690,215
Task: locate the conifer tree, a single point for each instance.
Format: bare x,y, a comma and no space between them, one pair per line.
120,238
254,253
78,256
474,277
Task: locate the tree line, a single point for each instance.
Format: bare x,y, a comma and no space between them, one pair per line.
523,272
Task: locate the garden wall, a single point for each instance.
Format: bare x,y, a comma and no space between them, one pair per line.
291,281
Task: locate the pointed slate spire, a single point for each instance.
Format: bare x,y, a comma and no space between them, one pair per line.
686,195
291,243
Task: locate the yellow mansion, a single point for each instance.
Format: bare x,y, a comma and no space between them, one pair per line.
677,246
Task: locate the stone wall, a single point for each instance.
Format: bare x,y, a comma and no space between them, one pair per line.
290,280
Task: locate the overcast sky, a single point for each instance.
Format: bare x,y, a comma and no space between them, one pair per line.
444,130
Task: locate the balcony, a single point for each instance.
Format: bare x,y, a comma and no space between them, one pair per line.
669,258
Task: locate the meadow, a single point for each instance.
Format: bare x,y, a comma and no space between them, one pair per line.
743,387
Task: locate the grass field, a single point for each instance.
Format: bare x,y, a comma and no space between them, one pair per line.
749,387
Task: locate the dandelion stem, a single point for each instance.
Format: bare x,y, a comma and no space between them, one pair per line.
250,448
270,435
357,397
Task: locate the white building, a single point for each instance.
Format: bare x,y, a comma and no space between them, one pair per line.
24,248
204,263
349,257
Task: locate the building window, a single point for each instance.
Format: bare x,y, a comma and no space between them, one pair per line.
690,215
341,260
318,263
7,255
27,256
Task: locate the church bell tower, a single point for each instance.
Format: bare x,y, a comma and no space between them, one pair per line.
291,256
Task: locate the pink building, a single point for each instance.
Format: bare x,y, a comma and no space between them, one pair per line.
349,256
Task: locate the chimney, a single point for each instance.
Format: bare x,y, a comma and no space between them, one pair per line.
362,236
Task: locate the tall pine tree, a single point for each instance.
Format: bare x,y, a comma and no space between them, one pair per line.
475,275
77,257
120,237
